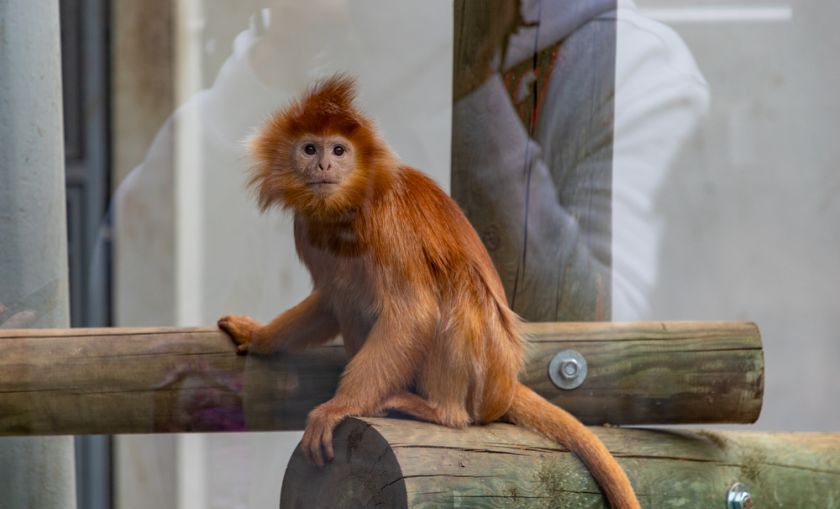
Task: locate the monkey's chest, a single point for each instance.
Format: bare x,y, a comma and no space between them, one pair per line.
346,283
354,304
343,273
347,279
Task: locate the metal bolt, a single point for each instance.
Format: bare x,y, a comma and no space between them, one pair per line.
567,370
737,497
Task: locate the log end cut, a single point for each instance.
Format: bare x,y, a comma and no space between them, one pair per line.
364,473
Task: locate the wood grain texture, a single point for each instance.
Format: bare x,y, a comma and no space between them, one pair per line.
654,372
543,210
146,380
408,464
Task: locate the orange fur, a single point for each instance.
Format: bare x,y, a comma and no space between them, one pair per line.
399,272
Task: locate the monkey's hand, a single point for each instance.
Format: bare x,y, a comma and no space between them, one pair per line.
317,442
242,329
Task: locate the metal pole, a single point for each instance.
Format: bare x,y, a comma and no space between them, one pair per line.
34,472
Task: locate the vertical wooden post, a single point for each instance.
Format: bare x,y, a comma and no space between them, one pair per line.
532,143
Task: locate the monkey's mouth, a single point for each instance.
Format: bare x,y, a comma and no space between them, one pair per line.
322,183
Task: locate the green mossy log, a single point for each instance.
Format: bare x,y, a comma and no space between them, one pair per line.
408,464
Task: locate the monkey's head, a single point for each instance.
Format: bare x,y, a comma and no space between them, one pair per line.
320,156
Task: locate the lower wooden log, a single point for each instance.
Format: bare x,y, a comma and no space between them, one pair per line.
393,463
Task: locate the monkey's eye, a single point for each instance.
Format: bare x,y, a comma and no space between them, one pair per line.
310,149
339,150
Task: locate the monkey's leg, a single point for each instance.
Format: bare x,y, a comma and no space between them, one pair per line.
383,366
415,406
447,377
309,323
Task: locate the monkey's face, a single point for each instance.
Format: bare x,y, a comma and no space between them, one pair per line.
323,162
319,156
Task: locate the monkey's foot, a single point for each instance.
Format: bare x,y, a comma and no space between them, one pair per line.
317,442
241,329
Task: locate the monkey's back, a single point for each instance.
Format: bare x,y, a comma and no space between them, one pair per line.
476,331
418,221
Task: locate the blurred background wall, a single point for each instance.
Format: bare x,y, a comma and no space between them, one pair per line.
750,210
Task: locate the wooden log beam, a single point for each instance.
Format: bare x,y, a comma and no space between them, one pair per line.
409,464
81,381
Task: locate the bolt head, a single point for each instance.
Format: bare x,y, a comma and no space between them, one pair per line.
738,497
569,368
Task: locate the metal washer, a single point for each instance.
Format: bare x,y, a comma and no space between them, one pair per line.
568,369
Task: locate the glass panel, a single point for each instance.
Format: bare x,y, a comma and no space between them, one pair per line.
619,160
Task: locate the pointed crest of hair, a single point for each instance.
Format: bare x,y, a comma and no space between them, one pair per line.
327,107
334,94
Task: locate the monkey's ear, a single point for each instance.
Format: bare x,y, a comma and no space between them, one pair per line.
251,141
271,143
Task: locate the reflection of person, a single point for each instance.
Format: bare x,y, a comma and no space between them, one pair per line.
26,311
564,208
15,319
246,261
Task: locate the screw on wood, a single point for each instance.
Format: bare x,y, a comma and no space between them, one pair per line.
737,497
567,370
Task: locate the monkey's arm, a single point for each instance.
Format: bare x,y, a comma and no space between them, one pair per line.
310,323
383,367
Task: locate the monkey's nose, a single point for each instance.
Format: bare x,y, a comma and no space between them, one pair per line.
321,166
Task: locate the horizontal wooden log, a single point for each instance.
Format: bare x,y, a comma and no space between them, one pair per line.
409,464
79,381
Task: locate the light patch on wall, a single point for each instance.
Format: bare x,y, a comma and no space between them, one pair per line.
720,14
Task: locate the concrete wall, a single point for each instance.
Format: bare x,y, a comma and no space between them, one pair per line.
34,471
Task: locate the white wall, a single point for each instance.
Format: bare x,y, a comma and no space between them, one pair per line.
750,208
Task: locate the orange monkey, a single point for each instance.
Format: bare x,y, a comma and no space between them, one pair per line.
399,272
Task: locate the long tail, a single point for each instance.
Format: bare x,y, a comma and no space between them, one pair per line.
530,410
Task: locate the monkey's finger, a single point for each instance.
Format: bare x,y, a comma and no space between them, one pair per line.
327,443
304,445
311,445
225,324
307,452
242,349
315,451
